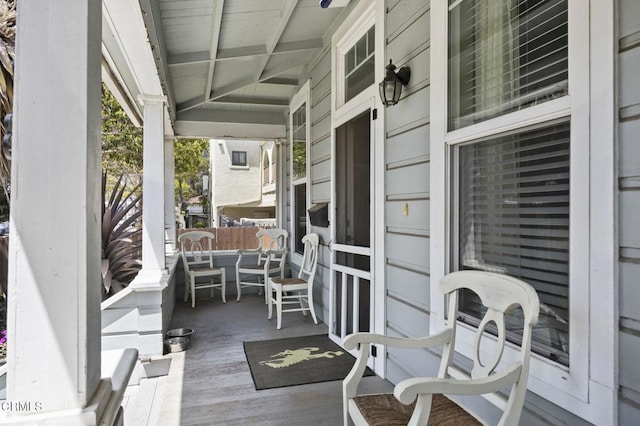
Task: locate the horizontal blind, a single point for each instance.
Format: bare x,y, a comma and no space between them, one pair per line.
504,56
514,219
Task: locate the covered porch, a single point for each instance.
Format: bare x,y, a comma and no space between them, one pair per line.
386,180
210,383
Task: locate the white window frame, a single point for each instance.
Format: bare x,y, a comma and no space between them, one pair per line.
303,96
345,38
587,388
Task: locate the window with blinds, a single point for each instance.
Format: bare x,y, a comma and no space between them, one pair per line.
513,218
504,56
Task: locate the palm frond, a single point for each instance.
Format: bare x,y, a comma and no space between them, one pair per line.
121,235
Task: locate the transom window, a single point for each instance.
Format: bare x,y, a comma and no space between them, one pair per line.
238,158
360,65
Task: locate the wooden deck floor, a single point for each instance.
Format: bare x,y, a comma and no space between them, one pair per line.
210,383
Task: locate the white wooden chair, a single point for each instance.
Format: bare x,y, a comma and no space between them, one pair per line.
198,263
419,400
270,257
296,291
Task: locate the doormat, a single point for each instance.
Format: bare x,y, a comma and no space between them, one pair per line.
297,361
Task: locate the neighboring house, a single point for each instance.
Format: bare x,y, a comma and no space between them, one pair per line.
514,148
243,180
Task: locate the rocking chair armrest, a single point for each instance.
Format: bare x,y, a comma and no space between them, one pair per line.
444,336
407,390
275,252
247,252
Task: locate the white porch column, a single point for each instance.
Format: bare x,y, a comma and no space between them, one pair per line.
153,187
169,197
54,262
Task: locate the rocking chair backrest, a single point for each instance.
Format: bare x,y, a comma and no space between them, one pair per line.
274,240
500,294
199,244
310,258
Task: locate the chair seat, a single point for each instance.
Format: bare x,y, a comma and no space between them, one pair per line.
258,268
204,269
288,281
386,410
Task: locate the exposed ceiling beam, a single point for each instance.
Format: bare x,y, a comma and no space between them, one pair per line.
272,42
226,130
260,74
215,36
231,116
281,81
242,52
269,78
284,67
200,57
298,46
245,100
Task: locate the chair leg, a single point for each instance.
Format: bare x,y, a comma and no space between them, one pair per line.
224,286
238,284
186,287
301,301
193,291
311,308
266,285
279,306
270,304
212,282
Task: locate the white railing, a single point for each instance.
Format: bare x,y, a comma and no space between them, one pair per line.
351,281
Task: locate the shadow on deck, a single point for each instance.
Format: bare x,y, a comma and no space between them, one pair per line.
210,383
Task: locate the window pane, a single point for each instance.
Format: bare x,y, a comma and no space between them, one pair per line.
514,219
504,56
238,158
359,64
299,140
300,219
361,78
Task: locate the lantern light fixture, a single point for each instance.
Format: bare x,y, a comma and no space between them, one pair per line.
391,86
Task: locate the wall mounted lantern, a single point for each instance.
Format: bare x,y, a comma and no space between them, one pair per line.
391,86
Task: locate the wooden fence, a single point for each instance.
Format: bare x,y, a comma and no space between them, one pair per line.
233,238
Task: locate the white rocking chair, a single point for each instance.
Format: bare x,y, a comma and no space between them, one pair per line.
421,400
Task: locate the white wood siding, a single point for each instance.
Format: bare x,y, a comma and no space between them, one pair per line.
629,209
407,189
407,210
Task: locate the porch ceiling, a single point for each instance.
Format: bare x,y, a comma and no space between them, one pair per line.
228,68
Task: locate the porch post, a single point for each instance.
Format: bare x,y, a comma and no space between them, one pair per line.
169,197
153,187
54,260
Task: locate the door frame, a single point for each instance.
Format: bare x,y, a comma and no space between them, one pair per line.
361,18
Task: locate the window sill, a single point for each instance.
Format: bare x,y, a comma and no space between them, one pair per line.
239,167
581,396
